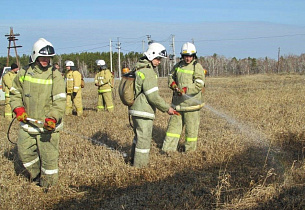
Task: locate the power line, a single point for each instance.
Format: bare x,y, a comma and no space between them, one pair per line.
249,38
139,40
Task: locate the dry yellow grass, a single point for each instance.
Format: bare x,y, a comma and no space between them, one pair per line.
250,154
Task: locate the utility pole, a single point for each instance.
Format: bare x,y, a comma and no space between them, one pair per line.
110,52
172,57
278,60
173,48
12,38
119,56
143,48
149,40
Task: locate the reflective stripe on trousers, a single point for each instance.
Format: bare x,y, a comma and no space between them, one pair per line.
142,140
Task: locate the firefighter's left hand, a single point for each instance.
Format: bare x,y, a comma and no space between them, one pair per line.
49,124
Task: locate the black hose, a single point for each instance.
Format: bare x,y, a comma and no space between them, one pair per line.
129,118
8,132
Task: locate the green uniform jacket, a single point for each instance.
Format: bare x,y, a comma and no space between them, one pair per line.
147,92
103,80
192,77
41,93
7,82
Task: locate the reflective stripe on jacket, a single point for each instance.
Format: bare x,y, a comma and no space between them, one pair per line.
40,92
104,79
147,92
73,81
192,77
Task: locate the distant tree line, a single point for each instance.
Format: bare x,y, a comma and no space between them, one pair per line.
221,66
216,65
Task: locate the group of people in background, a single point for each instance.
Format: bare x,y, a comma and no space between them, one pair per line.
39,92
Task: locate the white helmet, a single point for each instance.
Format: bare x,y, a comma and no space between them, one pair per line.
188,49
41,48
101,63
155,50
69,63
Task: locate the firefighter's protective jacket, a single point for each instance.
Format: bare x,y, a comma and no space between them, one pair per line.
74,80
192,77
147,97
7,81
41,93
103,80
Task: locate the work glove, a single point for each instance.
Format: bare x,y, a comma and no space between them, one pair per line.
182,91
49,124
174,86
176,113
21,115
74,94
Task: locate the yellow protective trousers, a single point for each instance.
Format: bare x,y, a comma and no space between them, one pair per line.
39,155
74,101
191,121
105,100
7,109
142,128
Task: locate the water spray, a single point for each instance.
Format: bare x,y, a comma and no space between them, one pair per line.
253,134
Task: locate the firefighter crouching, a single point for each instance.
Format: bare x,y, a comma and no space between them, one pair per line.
187,81
103,80
38,92
7,82
73,89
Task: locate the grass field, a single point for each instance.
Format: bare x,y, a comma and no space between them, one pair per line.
250,154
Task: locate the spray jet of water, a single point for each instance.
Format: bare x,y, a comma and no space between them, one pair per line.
253,135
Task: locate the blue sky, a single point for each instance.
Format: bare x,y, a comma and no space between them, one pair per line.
230,28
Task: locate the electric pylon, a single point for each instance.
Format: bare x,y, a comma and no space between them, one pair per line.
12,38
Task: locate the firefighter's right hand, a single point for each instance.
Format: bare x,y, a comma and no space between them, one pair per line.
49,124
21,115
171,111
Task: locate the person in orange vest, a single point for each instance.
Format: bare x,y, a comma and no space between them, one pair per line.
125,70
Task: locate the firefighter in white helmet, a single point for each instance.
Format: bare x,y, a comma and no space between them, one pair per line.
187,81
38,92
74,89
103,80
7,82
147,100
